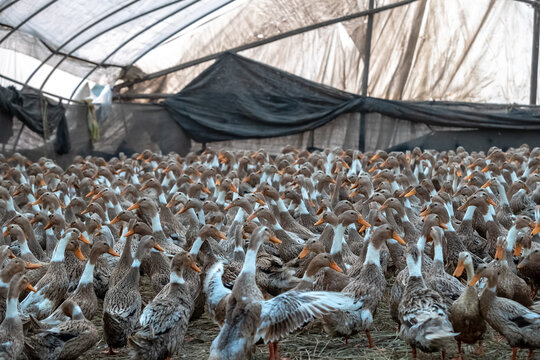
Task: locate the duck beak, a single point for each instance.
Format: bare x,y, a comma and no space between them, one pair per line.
468,177
32,266
229,206
485,169
459,269
205,189
90,193
311,203
443,226
30,287
221,235
49,225
275,240
320,221
144,187
98,196
6,233
194,267
471,166
304,252
499,253
37,202
517,250
398,238
362,221
112,252
410,193
474,280
115,220
252,216
129,233
233,188
362,229
158,248
424,213
170,204
463,207
83,239
11,256
372,169
335,266
79,254
383,206
491,202
140,157
486,184
261,202
246,179
134,206
536,229
523,263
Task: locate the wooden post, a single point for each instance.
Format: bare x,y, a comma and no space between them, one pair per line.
365,77
534,61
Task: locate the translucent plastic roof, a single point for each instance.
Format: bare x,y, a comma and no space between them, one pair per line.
426,49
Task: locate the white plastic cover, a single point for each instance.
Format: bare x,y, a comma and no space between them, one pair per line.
458,50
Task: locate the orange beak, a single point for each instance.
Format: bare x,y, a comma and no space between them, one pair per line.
129,233
170,203
471,166
517,250
85,211
233,188
491,202
6,233
32,266
205,189
459,269
30,287
410,193
229,206
112,252
311,203
115,220
144,187
536,229
463,207
158,248
468,177
395,236
195,267
474,280
275,240
485,169
320,221
38,201
134,206
11,256
140,157
441,225
90,193
383,206
304,252
221,235
362,229
499,253
372,169
98,196
261,201
79,254
246,179
424,213
252,216
362,221
49,225
523,263
487,183
83,239
335,266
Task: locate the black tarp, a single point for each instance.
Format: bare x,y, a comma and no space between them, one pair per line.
27,107
238,98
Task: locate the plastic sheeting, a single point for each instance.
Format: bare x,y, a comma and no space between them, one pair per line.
460,50
267,102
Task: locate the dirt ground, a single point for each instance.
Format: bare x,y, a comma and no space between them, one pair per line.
313,343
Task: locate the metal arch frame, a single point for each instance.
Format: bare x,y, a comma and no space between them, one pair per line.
8,5
65,56
254,44
56,51
27,19
128,41
174,33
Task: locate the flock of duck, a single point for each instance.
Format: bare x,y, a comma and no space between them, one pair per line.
266,244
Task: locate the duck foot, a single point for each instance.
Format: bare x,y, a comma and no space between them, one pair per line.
110,351
413,352
346,340
459,350
531,354
534,292
443,354
514,353
480,349
370,340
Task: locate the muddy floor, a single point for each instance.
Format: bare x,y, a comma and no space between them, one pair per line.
313,343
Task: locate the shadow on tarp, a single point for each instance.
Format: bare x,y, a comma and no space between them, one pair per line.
472,140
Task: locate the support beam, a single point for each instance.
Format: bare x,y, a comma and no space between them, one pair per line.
27,19
37,90
534,60
264,42
365,77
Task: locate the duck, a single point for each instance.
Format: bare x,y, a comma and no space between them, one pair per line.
249,317
122,303
53,286
422,311
67,340
367,289
163,322
465,313
519,325
11,328
529,267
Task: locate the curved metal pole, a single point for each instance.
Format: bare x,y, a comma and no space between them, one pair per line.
8,5
26,20
105,31
174,33
127,42
73,38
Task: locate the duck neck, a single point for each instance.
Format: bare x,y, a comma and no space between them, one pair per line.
175,278
11,308
337,243
438,253
87,276
250,261
511,238
469,214
372,255
415,268
240,214
421,243
196,246
60,250
470,272
156,223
